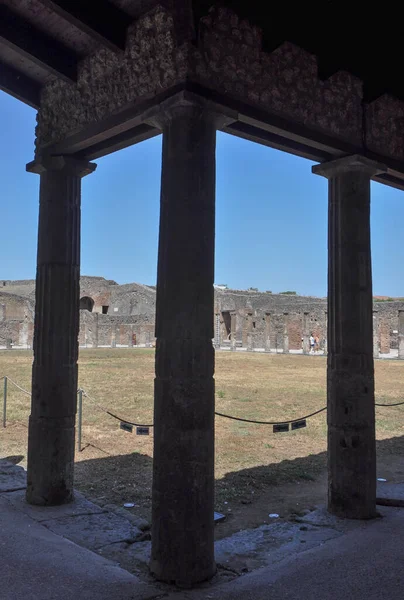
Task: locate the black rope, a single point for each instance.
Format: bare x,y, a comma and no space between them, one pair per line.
395,404
271,422
125,421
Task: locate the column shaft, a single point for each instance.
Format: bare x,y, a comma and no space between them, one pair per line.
350,371
57,295
401,334
267,332
306,334
183,468
233,331
285,333
376,334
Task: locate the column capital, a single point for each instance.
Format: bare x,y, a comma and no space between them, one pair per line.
347,164
71,164
186,103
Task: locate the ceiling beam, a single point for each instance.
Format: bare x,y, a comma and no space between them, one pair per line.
27,41
101,20
20,86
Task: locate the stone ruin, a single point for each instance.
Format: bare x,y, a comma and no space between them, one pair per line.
115,315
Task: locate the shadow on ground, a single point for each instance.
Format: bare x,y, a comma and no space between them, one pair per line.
246,497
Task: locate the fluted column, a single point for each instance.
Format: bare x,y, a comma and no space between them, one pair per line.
376,345
401,334
233,331
267,332
306,334
350,370
285,333
183,471
57,296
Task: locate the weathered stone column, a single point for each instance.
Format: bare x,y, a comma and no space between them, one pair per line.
268,332
375,334
306,333
54,372
249,341
233,331
183,467
401,334
217,330
285,333
350,374
113,335
95,334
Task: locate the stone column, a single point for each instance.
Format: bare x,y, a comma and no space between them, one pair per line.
130,337
113,335
183,467
148,339
401,334
375,334
2,312
95,334
54,372
217,330
285,333
249,341
233,331
267,332
326,333
306,333
350,370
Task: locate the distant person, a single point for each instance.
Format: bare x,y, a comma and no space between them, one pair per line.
316,343
312,343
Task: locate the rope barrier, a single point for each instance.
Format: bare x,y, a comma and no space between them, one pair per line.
218,414
19,387
271,422
108,412
394,404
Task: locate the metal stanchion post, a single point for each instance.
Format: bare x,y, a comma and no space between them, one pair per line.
80,407
5,402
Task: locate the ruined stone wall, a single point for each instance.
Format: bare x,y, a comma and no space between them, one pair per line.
105,330
133,299
135,314
15,307
98,289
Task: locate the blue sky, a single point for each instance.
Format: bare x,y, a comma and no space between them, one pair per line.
271,228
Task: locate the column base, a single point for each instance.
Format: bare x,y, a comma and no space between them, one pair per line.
50,461
159,571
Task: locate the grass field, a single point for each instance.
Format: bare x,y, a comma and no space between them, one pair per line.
257,471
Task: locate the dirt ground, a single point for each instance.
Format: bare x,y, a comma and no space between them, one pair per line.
258,472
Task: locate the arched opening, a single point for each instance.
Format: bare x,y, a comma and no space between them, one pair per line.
86,303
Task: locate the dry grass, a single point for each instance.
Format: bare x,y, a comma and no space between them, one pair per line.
116,466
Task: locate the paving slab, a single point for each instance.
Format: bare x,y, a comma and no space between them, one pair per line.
94,531
36,564
322,518
254,548
80,506
394,492
363,564
12,477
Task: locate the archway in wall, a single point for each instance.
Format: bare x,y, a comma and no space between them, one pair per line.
86,303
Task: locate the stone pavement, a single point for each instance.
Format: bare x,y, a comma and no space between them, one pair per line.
77,551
